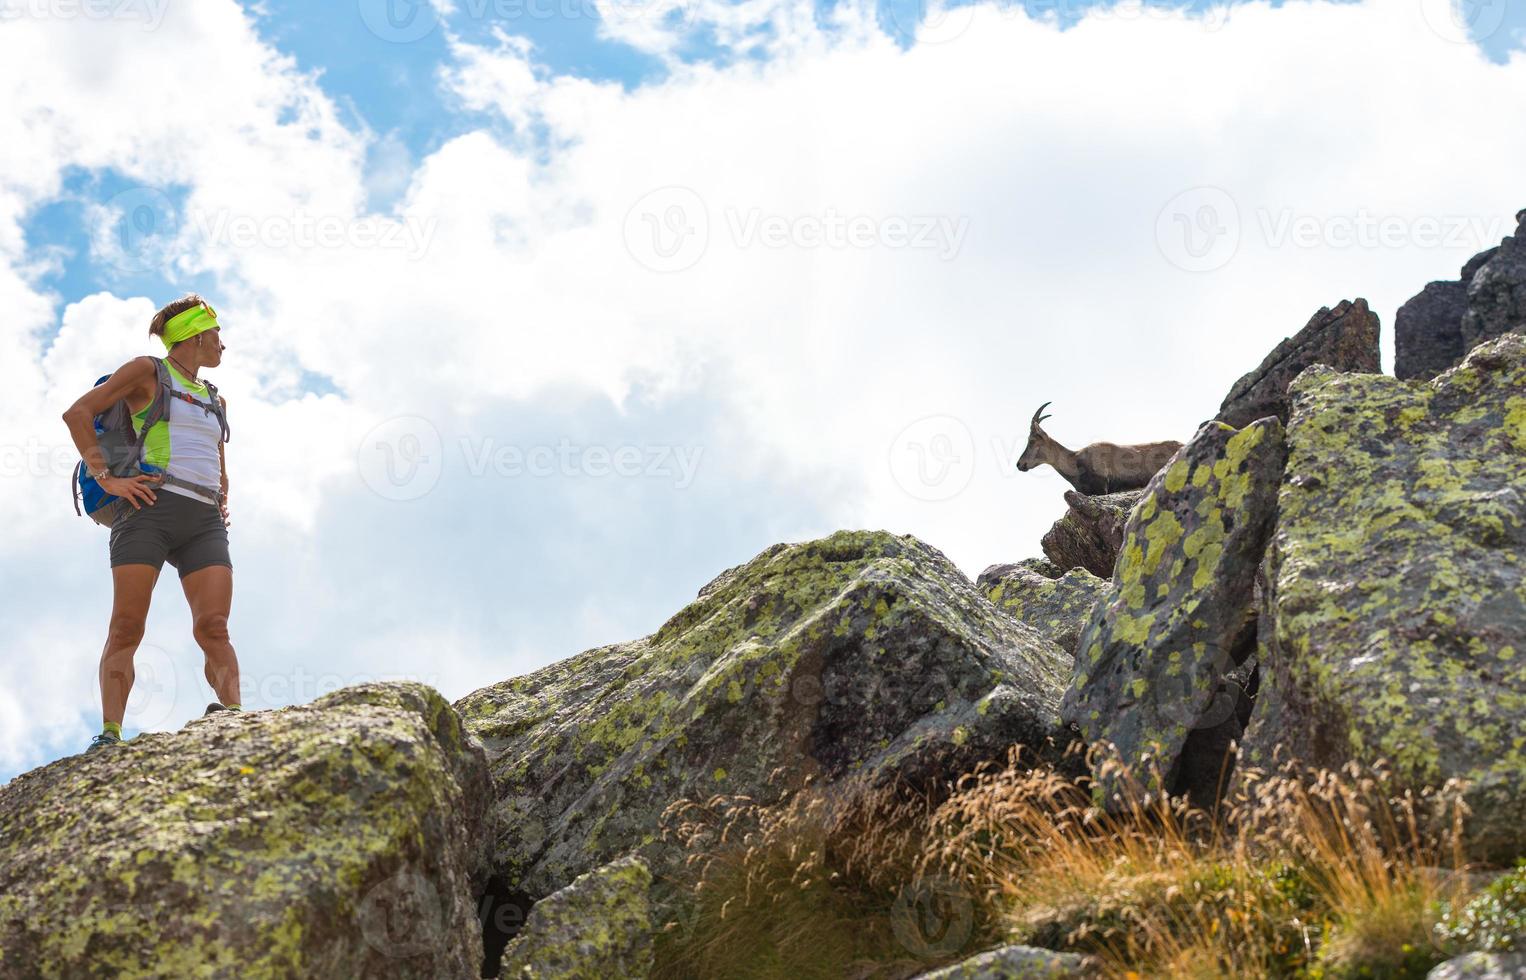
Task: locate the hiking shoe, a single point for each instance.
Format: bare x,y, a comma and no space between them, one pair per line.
214,706
102,741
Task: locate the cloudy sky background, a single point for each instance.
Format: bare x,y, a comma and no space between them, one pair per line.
541,313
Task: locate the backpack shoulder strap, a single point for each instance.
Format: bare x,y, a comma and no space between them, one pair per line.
159,407
217,409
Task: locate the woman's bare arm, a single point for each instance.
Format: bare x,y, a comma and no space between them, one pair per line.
134,377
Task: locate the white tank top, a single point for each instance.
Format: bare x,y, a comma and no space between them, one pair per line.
187,445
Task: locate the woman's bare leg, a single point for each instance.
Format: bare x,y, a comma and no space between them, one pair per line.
132,586
209,590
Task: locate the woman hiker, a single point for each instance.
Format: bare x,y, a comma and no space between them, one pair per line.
186,524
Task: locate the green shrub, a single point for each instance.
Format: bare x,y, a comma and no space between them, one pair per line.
1493,921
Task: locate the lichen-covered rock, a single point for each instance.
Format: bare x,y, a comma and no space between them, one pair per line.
1344,337
1482,966
1038,566
1057,608
1397,586
347,837
1152,659
1091,532
1497,292
860,653
1019,963
598,926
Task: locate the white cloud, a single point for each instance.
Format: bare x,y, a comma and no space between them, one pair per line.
1035,162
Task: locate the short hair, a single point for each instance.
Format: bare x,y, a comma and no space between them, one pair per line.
172,310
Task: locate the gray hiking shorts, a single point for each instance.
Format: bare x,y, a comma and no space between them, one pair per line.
189,533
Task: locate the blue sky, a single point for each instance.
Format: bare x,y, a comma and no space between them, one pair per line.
1019,176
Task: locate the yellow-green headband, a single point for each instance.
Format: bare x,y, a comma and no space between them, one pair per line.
186,325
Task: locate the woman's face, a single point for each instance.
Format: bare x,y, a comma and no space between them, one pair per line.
211,347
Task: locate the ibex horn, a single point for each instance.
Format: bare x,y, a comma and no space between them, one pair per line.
1039,416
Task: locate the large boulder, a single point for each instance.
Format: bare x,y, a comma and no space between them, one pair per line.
1398,583
1091,531
1056,607
598,926
1497,292
1344,337
348,837
1481,966
1153,659
1428,328
861,653
1019,963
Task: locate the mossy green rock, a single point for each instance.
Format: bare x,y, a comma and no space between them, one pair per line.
343,838
598,926
1019,963
1056,607
1397,584
1152,659
861,653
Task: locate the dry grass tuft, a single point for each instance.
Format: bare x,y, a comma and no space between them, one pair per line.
1305,873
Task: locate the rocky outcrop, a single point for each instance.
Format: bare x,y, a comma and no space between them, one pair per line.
1057,608
344,838
1019,963
1481,966
861,653
1038,566
1344,337
1152,661
1428,328
1398,583
598,926
1438,327
1497,292
1091,532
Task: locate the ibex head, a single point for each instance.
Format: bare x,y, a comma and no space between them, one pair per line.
1033,453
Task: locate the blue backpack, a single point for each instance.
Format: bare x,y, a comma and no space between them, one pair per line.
123,448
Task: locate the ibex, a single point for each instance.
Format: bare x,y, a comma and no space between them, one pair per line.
1099,468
